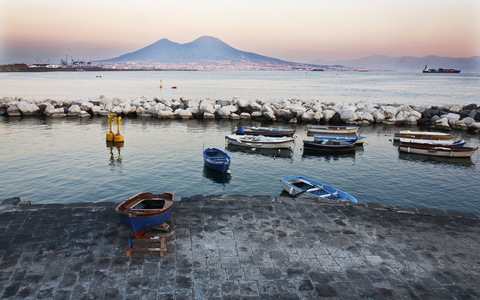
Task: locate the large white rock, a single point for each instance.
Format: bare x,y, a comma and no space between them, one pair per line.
207,106
410,120
455,108
442,122
452,118
415,114
367,116
207,115
328,114
402,115
96,109
84,114
475,126
109,106
389,111
13,111
182,113
257,114
347,114
74,110
255,105
117,110
165,114
226,111
318,116
245,115
468,121
242,103
86,105
27,108
308,116
267,112
128,109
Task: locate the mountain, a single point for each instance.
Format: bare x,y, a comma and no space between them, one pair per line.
409,63
204,50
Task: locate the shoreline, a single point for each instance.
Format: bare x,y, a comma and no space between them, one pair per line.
289,111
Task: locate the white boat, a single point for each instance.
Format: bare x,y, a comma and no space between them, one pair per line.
260,141
437,150
328,129
359,140
433,141
426,135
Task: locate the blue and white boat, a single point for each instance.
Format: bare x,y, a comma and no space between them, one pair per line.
329,145
145,210
299,185
359,140
216,159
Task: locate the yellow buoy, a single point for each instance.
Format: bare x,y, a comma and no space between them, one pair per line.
161,86
118,138
110,134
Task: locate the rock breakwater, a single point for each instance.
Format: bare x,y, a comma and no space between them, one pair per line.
466,117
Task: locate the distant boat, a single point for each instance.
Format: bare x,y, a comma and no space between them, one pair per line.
260,141
437,150
327,129
359,140
216,159
329,145
427,70
299,185
422,135
145,210
265,131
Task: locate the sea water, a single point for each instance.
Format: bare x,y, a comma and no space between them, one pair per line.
67,160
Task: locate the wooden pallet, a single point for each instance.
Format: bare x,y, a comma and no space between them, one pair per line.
149,241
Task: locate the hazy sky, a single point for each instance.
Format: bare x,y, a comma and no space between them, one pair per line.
301,30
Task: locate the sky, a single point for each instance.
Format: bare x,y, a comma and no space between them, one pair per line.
299,31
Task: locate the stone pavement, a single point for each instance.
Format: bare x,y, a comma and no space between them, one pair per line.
241,247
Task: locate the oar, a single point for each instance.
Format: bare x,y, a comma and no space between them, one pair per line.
303,191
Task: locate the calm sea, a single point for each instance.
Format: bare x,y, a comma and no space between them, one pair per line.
68,160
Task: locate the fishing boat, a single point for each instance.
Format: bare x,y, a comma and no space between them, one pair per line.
145,210
260,141
329,145
327,129
216,159
359,140
265,131
422,135
299,185
438,150
433,141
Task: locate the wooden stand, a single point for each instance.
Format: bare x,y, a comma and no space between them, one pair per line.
144,241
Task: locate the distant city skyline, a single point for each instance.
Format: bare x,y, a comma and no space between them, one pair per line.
298,31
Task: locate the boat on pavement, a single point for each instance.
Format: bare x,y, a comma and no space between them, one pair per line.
300,185
437,150
265,131
260,141
340,138
216,159
328,129
329,145
145,210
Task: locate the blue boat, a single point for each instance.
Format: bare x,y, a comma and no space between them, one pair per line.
359,140
216,159
329,145
145,210
299,185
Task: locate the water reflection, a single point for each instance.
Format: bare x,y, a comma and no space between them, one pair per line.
215,176
115,161
462,162
275,153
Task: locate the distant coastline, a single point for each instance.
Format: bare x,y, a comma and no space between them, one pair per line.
27,68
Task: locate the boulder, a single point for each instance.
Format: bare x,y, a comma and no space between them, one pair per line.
308,116
256,114
27,108
207,115
245,115
389,111
442,123
452,118
96,110
415,114
74,110
328,115
378,116
347,115
86,105
410,120
84,114
165,114
468,121
182,113
12,111
234,116
367,116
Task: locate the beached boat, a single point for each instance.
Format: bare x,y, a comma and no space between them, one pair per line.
145,210
265,131
300,185
329,145
422,135
216,159
327,129
437,150
359,140
433,141
260,141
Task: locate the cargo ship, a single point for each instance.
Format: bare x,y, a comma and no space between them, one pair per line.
427,70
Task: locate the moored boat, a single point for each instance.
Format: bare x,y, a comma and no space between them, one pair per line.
422,135
329,145
440,70
265,131
145,210
438,150
260,141
433,141
299,185
358,139
216,159
328,129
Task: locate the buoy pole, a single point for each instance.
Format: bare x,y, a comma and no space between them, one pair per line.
110,135
118,138
161,86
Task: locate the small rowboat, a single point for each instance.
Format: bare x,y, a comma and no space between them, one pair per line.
260,141
326,129
422,135
216,159
330,145
299,185
145,210
433,141
437,150
265,131
359,140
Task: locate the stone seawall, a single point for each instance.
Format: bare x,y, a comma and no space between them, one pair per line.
464,117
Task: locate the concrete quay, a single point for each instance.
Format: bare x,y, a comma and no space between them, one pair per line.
241,247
